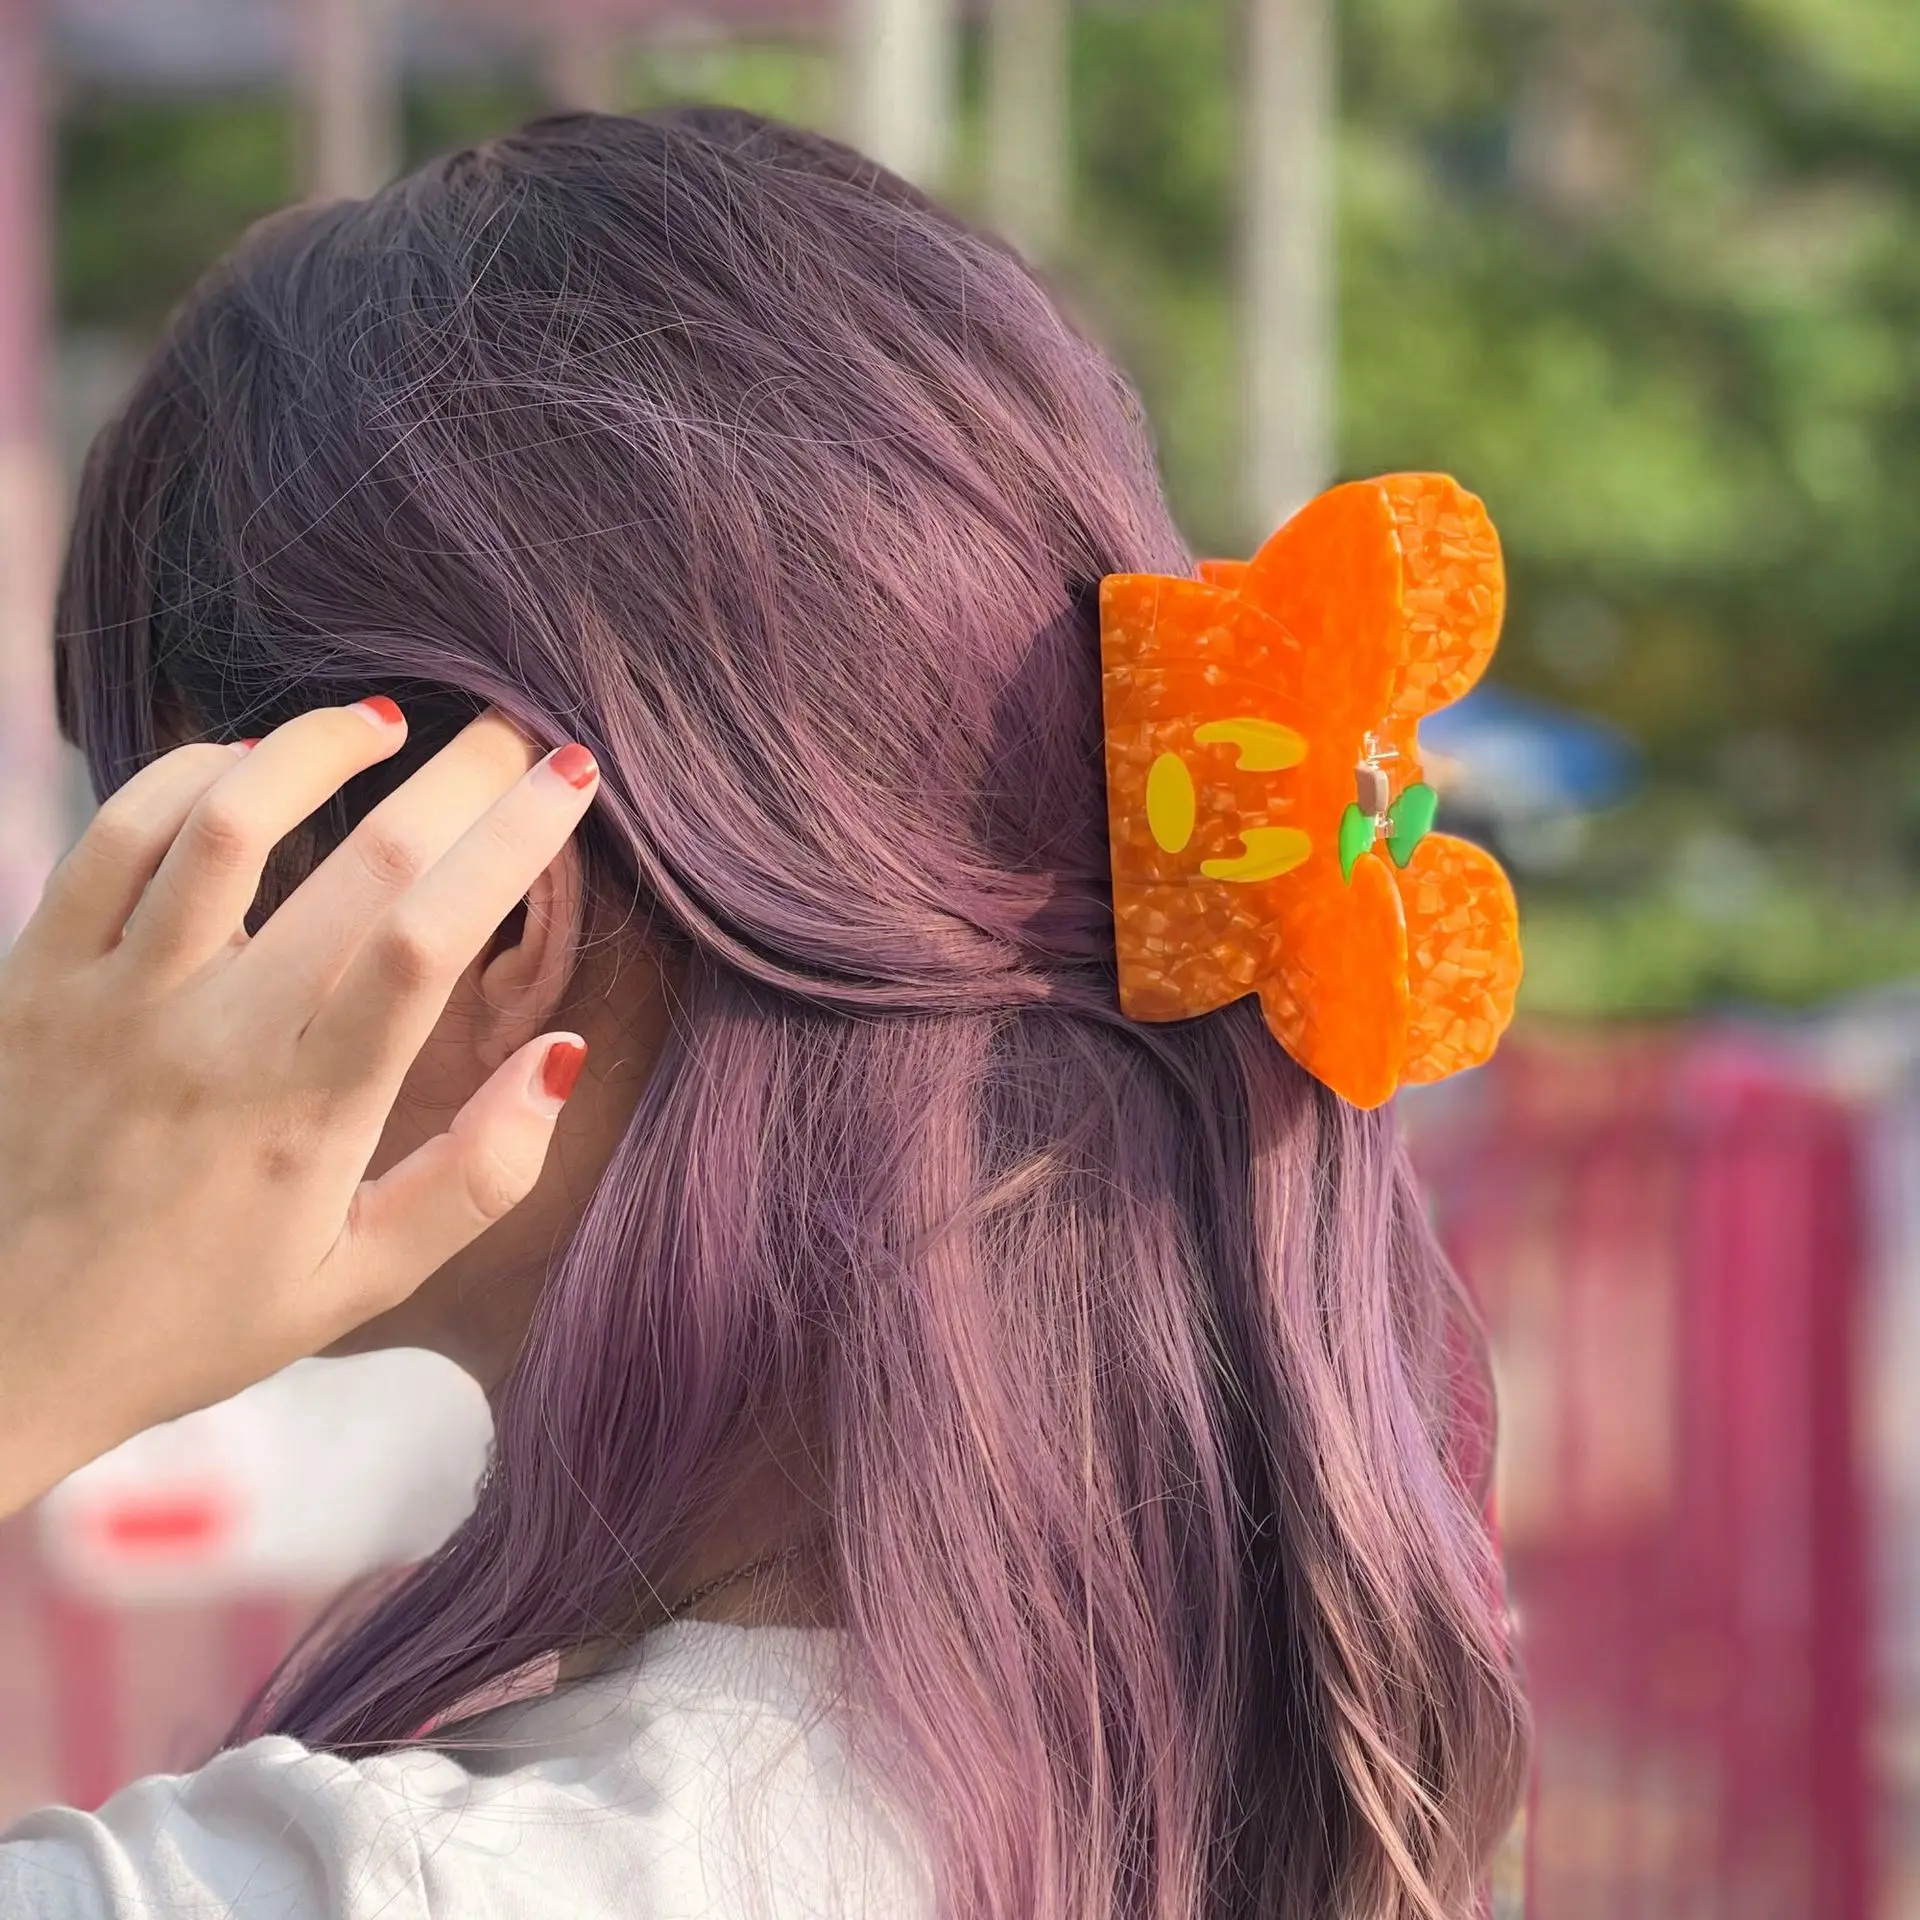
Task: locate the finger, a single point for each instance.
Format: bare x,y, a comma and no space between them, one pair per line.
300,953
207,881
444,1195
397,983
84,909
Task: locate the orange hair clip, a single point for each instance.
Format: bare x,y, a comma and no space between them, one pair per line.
1270,824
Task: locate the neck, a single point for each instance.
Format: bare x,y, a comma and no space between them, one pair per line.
776,1501
792,1590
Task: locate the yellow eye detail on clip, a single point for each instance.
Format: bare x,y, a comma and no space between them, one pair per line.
1265,745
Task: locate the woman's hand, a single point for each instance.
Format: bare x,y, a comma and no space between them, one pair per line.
187,1114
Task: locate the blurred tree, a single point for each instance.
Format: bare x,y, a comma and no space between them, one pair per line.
1647,275
152,188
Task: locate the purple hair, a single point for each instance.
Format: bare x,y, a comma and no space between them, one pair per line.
1154,1466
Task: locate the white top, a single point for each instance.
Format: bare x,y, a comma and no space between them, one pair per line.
702,1778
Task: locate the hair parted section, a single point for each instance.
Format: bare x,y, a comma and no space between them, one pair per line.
1153,1418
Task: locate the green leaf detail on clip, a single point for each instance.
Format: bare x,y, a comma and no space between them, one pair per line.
1356,836
1412,818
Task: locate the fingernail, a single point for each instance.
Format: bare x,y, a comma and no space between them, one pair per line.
574,764
379,710
244,746
560,1069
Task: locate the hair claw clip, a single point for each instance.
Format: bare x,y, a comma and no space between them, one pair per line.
1271,829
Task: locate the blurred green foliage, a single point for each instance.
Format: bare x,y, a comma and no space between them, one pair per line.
153,187
1645,274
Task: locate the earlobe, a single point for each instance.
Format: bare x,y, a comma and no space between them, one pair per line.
524,976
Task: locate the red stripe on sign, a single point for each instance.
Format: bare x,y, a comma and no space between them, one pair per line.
172,1524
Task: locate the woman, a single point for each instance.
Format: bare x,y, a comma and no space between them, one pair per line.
966,1451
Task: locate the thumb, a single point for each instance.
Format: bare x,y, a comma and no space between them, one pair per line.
412,1220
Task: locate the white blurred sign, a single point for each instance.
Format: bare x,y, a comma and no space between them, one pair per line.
324,1472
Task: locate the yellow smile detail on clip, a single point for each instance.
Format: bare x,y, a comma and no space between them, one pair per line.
1271,851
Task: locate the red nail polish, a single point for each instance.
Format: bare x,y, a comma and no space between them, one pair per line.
379,708
249,745
574,764
561,1068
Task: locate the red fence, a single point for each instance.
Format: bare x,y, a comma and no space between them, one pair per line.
1666,1236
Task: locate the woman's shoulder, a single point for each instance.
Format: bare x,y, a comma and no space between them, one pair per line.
268,1829
705,1773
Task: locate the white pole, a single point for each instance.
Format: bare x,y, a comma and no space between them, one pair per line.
350,73
32,830
579,69
1287,268
900,58
1028,155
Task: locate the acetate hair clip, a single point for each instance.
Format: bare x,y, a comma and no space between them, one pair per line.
1270,825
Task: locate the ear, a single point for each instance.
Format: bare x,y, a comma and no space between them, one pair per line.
522,978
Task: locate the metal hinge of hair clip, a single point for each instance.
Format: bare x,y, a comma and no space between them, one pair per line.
1374,815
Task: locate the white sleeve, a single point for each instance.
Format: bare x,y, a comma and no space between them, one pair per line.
266,1831
722,1813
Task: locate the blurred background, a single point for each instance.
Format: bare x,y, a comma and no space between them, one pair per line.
1646,275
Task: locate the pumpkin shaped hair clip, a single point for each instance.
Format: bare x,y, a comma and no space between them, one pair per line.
1270,823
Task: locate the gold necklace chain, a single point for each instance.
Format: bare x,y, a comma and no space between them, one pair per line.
745,1572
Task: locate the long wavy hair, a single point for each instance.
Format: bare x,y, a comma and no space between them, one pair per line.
1153,1419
